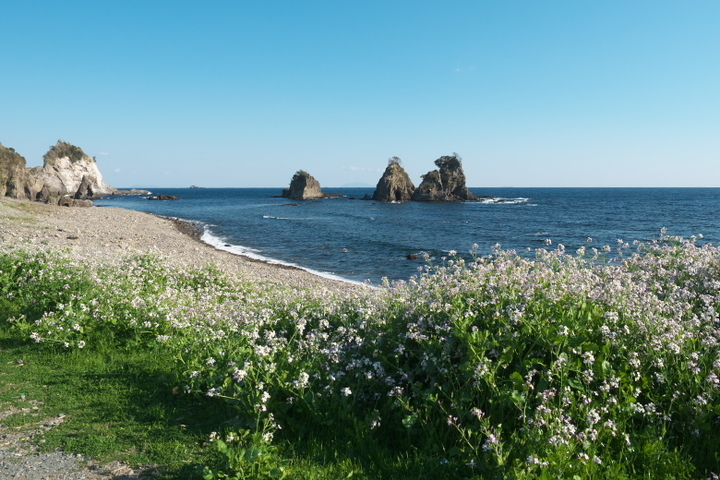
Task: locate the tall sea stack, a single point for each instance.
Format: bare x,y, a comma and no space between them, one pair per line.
395,184
446,184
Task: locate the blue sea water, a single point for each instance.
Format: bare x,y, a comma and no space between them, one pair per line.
364,240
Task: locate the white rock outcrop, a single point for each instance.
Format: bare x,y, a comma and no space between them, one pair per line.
64,168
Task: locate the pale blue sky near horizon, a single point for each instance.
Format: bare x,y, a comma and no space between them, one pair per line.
244,93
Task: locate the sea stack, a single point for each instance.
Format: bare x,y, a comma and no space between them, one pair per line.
395,184
447,184
303,186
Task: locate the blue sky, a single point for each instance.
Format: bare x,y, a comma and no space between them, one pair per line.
244,93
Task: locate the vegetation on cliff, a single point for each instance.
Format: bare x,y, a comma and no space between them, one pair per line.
64,149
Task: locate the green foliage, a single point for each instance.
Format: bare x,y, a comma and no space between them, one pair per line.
64,149
8,156
559,366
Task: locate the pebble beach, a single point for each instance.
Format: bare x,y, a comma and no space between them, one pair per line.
108,234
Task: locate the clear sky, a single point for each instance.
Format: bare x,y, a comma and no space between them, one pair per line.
245,93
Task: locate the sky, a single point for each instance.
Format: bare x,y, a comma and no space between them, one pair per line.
245,93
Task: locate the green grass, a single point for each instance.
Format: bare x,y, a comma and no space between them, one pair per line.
127,405
118,405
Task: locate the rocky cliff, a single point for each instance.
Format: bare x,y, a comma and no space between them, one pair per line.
447,184
303,186
66,167
66,170
395,184
14,178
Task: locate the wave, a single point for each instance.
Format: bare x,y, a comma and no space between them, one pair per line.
294,219
505,201
218,243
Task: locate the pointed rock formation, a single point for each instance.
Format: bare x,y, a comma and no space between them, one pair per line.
303,186
446,184
85,189
395,184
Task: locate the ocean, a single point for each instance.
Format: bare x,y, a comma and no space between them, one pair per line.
360,240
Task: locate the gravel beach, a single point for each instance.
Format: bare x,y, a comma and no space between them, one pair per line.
106,235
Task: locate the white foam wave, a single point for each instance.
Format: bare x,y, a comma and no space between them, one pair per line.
218,243
506,201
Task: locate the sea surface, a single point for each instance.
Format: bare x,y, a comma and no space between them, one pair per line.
360,240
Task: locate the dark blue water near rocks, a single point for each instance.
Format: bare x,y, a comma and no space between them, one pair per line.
360,240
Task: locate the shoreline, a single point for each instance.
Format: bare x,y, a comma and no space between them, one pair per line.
108,234
195,231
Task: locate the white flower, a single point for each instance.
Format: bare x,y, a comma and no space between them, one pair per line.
346,391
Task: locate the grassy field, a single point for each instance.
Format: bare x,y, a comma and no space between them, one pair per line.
596,364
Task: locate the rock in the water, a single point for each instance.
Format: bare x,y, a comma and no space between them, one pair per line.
164,197
395,184
134,191
303,186
446,184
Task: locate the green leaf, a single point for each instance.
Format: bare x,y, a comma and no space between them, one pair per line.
517,378
606,367
517,397
410,420
575,384
222,446
276,473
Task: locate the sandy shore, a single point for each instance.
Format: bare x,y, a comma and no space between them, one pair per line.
108,234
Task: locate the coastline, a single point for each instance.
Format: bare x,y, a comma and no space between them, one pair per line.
108,234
